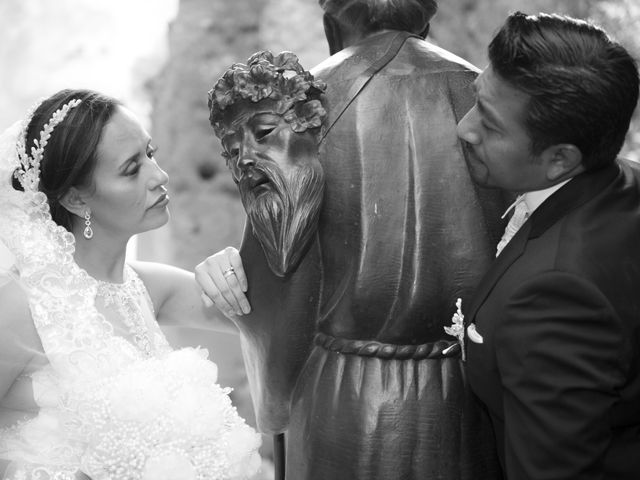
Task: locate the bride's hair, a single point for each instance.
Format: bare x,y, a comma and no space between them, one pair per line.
70,155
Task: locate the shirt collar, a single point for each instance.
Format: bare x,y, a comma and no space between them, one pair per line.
535,198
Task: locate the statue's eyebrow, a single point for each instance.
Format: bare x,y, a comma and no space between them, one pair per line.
247,119
240,119
264,118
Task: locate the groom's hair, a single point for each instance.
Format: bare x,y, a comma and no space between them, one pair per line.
582,86
281,78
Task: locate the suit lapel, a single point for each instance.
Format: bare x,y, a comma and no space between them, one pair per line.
579,190
511,252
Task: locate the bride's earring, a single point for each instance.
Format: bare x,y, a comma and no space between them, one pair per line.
88,231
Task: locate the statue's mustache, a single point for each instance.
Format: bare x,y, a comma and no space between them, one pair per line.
262,173
283,214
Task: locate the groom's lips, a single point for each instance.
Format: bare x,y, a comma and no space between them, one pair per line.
471,152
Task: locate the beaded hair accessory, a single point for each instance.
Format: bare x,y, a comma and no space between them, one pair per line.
29,172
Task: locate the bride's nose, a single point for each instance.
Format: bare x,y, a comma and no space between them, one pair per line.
158,178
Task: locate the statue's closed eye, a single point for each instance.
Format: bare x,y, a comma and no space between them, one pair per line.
263,132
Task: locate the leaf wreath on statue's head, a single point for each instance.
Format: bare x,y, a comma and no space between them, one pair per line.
280,78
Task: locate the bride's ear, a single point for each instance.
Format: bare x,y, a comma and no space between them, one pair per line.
73,202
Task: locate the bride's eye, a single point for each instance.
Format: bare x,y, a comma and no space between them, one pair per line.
151,151
132,169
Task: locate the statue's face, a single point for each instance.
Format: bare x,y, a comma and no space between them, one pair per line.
279,177
256,136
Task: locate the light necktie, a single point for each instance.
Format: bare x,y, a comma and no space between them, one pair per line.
520,215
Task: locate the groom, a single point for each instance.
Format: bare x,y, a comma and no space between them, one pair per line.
554,334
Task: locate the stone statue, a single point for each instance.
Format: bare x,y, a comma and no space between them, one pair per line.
368,385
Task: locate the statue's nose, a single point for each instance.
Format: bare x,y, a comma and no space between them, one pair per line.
246,161
243,154
242,166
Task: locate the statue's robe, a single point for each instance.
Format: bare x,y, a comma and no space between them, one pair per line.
277,336
403,233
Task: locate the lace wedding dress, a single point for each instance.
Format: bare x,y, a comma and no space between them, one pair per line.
109,397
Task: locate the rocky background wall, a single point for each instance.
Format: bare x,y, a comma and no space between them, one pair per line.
162,57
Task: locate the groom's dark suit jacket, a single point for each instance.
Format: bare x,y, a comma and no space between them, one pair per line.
559,311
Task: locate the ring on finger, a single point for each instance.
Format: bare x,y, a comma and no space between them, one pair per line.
228,272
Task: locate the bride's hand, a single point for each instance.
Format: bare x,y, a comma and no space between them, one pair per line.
224,282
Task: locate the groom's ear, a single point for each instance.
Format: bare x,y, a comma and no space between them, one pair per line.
562,161
73,202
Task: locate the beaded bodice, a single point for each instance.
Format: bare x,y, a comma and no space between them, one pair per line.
128,307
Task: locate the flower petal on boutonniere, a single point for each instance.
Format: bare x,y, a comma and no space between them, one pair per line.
457,328
473,334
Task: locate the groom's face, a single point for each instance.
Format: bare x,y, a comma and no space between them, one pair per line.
497,139
279,177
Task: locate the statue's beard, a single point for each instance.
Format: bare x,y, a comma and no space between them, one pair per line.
283,213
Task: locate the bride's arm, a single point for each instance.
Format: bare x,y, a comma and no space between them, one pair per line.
224,283
177,298
18,343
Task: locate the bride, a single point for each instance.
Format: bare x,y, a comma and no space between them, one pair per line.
89,386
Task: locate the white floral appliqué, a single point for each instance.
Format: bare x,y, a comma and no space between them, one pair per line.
457,327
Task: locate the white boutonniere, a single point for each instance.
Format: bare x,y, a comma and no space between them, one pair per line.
457,328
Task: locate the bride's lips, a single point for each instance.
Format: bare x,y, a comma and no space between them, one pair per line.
161,201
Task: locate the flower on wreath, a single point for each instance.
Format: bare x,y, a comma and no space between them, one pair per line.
281,78
310,115
456,329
